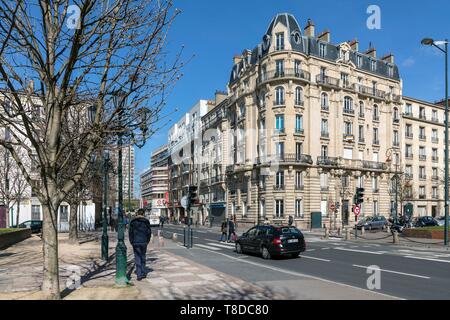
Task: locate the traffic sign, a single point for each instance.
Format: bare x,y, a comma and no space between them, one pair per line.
357,211
184,202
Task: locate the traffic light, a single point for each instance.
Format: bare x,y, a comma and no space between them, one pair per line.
192,195
359,197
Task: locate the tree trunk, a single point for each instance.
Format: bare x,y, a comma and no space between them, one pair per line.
73,223
50,284
18,212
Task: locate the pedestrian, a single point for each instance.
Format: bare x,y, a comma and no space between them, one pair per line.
230,229
290,221
223,229
161,221
139,235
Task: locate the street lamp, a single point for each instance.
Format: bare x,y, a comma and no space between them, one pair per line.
439,44
134,120
105,239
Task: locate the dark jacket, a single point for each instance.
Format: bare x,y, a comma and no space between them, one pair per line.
231,226
140,231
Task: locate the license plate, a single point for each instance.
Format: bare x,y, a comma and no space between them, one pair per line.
292,240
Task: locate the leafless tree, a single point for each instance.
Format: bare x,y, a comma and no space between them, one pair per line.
56,55
13,185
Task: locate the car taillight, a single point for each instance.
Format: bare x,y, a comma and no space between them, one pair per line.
276,240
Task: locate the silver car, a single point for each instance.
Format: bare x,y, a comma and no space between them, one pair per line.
372,223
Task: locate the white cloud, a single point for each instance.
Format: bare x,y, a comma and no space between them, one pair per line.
409,62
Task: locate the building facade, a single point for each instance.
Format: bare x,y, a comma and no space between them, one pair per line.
146,188
184,146
159,181
128,172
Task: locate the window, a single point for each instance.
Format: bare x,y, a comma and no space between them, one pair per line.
324,181
434,136
64,214
396,141
298,208
408,171
375,136
360,182
242,110
324,100
422,173
422,114
244,208
279,96
422,135
298,179
373,65
374,184
408,109
408,131
279,208
435,173
422,193
324,128
422,153
279,123
280,41
35,212
280,150
359,60
348,128
390,71
434,154
262,208
375,208
298,96
348,104
279,65
263,73
298,150
396,117
322,49
361,109
361,133
408,151
299,123
345,180
279,179
376,113
297,68
324,152
434,116
344,79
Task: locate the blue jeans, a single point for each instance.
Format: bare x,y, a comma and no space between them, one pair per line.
224,235
140,251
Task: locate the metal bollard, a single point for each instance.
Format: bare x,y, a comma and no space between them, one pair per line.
388,229
327,233
192,238
395,237
339,232
363,230
174,237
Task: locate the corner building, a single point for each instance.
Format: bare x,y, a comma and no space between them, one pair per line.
312,121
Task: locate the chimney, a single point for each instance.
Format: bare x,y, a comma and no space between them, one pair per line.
220,96
237,59
372,52
325,36
310,29
354,44
388,58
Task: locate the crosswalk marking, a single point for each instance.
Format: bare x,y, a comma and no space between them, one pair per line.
361,251
428,259
207,247
226,246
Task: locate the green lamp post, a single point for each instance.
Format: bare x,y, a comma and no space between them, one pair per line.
439,44
105,238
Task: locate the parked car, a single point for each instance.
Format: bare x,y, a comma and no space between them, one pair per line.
372,223
441,220
34,225
427,221
270,241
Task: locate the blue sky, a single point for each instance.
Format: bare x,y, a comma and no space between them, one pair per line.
213,31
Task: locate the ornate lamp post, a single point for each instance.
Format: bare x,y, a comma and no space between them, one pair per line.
105,239
135,119
438,44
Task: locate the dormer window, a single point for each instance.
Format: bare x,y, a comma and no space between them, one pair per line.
279,41
359,61
322,49
373,65
391,71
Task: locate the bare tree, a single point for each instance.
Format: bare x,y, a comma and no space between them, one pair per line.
13,185
79,55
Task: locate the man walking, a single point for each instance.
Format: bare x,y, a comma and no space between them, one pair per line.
230,229
139,236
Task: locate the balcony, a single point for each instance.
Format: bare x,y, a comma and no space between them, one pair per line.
279,187
285,74
325,135
299,188
396,144
328,81
422,117
409,156
422,157
423,177
325,108
299,104
376,142
436,120
361,140
409,176
325,189
435,140
299,131
348,137
374,165
396,120
435,159
349,111
328,161
376,118
422,137
435,178
371,92
422,197
279,131
293,158
409,135
361,115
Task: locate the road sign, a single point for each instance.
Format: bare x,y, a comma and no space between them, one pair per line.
357,211
332,207
184,202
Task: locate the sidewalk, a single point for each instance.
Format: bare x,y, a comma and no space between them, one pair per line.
170,277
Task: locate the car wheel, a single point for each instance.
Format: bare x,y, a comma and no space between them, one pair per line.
265,253
295,255
238,248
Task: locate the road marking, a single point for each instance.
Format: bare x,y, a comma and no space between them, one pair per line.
310,250
361,251
298,274
207,247
326,248
314,258
221,245
201,231
428,259
396,272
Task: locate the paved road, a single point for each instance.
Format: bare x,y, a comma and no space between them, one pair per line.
406,273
